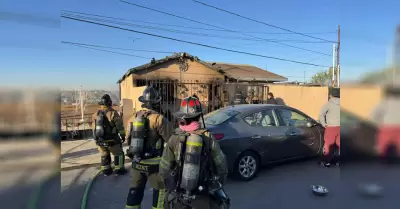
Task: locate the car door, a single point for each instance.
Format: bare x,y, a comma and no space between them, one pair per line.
302,140
266,135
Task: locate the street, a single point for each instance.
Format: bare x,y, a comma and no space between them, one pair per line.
279,187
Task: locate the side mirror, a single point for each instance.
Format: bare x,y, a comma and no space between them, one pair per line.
310,124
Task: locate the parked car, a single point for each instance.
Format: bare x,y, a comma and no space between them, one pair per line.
255,135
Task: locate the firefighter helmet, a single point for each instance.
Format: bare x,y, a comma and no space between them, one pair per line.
106,100
190,107
150,96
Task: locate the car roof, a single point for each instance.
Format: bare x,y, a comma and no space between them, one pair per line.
244,108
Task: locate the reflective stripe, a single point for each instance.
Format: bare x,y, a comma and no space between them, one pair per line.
195,144
138,123
165,164
151,161
105,167
120,162
160,201
132,206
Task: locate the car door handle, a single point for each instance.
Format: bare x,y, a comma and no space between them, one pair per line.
256,137
307,142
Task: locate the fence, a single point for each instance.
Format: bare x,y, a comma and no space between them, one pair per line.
76,128
212,95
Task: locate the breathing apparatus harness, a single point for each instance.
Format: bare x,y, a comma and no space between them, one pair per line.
208,182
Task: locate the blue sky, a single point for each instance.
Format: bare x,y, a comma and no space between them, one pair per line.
32,50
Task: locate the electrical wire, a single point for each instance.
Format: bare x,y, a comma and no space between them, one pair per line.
192,33
193,43
267,24
189,27
107,51
108,47
188,19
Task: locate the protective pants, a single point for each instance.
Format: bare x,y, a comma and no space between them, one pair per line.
138,185
119,158
388,142
200,202
331,138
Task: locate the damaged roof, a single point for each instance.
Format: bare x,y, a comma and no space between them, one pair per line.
239,72
243,72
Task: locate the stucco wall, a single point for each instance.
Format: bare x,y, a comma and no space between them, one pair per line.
304,98
196,74
360,99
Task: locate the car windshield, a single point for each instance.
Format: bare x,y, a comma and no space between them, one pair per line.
219,116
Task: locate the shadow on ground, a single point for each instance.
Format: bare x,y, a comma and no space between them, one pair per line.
78,154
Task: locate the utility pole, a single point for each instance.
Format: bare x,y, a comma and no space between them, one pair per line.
81,101
338,59
396,55
333,65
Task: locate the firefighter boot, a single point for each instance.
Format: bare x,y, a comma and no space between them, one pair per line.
119,161
106,165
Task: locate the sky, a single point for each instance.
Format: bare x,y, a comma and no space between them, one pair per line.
32,53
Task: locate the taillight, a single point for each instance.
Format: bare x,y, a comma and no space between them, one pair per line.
218,136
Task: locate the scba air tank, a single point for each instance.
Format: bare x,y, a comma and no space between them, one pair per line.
192,162
137,136
99,129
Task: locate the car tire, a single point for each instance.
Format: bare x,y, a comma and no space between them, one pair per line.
250,169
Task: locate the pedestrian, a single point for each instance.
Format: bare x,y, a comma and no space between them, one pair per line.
271,98
109,134
146,134
329,117
193,166
387,118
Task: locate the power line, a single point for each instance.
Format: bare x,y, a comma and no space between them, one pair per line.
193,33
193,43
184,18
108,51
189,27
108,47
267,24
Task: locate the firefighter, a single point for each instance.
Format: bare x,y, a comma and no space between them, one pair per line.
109,134
193,166
146,134
329,117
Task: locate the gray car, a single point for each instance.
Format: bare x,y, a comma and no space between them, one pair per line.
255,135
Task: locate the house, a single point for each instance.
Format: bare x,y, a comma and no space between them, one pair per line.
182,75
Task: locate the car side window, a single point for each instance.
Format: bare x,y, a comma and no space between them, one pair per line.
264,118
252,119
292,118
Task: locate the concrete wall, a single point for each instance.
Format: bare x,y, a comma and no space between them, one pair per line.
360,99
304,98
129,97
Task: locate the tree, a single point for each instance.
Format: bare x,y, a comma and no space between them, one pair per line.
378,77
322,78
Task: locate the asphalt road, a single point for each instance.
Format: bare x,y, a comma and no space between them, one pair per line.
280,187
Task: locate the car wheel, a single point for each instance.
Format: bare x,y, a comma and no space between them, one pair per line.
247,166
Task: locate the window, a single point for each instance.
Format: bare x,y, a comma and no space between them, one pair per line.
264,118
219,116
292,118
